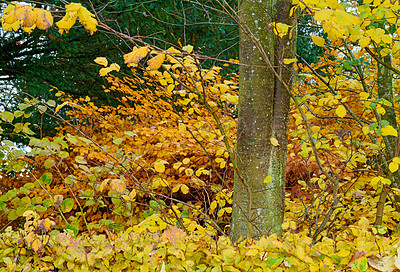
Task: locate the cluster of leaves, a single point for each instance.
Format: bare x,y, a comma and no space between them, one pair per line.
160,145
153,245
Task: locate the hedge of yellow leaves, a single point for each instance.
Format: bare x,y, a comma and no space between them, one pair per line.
153,245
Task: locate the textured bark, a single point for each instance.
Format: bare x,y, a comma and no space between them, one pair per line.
258,207
385,91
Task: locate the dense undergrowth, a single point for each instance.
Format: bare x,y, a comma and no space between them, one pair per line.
148,185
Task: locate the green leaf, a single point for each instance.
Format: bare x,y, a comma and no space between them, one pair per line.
130,133
80,159
40,208
23,106
42,109
7,116
63,154
18,113
67,205
49,163
118,141
47,203
47,178
72,228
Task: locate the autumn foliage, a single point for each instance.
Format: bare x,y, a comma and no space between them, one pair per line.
148,183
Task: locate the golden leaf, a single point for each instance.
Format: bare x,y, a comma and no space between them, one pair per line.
189,172
159,166
268,179
186,160
299,252
115,67
105,71
44,19
37,245
188,48
156,62
318,40
86,19
73,7
67,22
104,183
289,61
364,41
57,200
251,252
341,111
393,167
102,61
118,185
274,141
388,131
133,58
184,189
26,14
173,235
132,194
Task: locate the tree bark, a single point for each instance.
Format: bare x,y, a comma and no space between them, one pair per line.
258,207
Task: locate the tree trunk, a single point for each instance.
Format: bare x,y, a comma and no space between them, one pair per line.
385,92
258,207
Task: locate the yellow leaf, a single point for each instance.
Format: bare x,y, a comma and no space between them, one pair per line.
280,29
365,130
115,67
393,167
251,252
341,111
159,166
46,224
268,179
396,160
318,40
189,172
37,245
188,48
104,183
44,19
388,131
323,15
364,41
186,160
59,107
118,185
105,71
299,252
133,58
274,141
380,110
67,22
132,194
11,27
102,61
181,127
87,20
289,61
184,189
57,200
73,7
26,14
156,62
125,197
